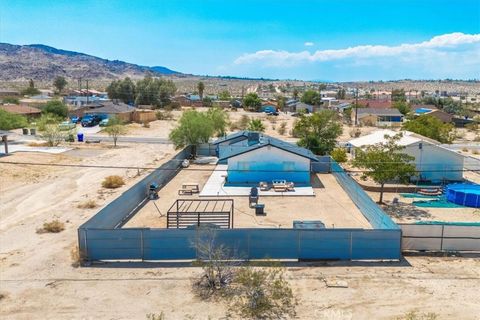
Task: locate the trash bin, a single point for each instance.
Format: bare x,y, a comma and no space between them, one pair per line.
25,131
259,209
80,137
33,131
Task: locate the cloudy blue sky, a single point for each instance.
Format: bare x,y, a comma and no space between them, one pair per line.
311,40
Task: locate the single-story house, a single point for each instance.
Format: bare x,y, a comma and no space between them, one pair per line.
434,112
253,157
303,107
79,101
379,117
433,162
21,109
109,108
377,104
9,93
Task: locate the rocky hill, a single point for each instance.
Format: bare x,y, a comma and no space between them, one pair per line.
44,63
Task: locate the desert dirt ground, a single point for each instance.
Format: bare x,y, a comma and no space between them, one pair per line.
330,204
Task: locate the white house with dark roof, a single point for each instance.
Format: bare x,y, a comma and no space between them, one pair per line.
433,162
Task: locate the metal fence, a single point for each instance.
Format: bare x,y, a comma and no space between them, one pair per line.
119,210
440,237
163,244
372,212
102,238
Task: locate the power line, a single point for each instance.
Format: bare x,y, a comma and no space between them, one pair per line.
203,170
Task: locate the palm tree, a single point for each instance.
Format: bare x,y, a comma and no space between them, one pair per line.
256,125
200,87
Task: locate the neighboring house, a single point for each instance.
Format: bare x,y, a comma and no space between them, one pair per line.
9,93
433,162
253,157
378,117
303,107
377,104
38,99
79,101
290,105
121,110
21,109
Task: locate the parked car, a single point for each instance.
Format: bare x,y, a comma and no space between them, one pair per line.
274,113
67,125
90,120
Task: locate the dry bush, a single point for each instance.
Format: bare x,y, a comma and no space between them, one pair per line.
464,149
146,124
414,315
3,296
77,257
54,226
89,204
112,182
475,151
355,133
37,144
283,128
155,316
164,115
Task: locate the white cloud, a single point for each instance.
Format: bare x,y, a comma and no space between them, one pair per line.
437,47
308,44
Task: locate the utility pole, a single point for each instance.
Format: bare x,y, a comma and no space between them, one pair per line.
87,92
356,107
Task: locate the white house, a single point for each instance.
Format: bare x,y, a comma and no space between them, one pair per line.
433,162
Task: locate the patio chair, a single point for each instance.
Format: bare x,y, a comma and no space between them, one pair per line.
263,186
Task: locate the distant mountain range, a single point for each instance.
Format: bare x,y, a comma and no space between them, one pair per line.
41,62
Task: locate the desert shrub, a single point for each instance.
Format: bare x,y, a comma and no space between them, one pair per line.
77,257
339,155
156,316
89,204
53,135
145,124
472,126
57,108
9,121
355,133
164,115
464,149
54,226
243,122
459,134
475,152
272,119
283,128
10,100
112,182
3,296
414,315
256,125
262,294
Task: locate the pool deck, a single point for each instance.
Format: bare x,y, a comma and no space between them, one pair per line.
214,187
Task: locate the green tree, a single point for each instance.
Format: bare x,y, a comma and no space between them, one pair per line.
207,102
219,120
431,127
339,155
56,107
384,162
53,134
30,90
318,132
454,107
281,102
402,106
311,97
47,119
224,95
256,125
156,92
10,100
347,115
193,129
201,88
115,128
60,83
398,95
9,121
295,93
123,90
341,94
252,102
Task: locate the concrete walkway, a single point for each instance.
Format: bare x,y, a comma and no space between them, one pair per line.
215,187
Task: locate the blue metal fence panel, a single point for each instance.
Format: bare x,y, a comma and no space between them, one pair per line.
372,212
323,164
163,244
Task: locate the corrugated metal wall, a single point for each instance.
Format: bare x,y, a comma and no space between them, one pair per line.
163,244
372,212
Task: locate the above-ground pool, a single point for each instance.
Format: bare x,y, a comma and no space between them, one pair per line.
464,194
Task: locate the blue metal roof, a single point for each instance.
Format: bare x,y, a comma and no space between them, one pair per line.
266,141
232,136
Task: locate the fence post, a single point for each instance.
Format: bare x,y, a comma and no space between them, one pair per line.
141,244
441,240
